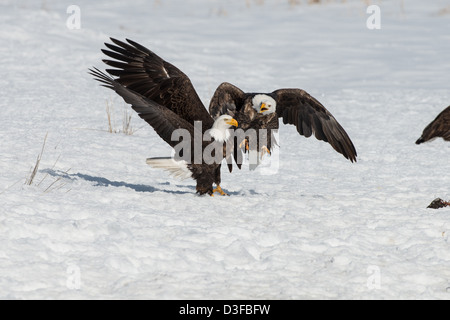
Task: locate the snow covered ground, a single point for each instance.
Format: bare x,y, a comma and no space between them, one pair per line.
98,223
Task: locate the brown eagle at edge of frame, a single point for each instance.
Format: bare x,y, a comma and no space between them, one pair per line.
438,128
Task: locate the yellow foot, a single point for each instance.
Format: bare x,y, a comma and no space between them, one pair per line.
241,145
219,190
265,150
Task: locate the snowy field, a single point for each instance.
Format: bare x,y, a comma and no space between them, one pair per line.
98,223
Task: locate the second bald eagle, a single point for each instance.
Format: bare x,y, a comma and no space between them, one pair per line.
295,106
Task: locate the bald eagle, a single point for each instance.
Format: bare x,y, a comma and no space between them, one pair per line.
295,106
165,122
439,127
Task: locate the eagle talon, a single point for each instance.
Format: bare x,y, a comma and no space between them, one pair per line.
265,150
219,190
245,141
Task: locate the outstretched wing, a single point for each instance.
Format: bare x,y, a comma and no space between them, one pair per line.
227,99
144,72
163,120
439,127
299,108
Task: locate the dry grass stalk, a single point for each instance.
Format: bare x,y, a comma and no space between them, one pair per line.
109,113
56,186
126,123
126,120
34,171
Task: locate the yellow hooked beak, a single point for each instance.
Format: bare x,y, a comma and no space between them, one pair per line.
232,122
263,108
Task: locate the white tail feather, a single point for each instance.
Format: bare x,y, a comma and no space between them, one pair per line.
178,169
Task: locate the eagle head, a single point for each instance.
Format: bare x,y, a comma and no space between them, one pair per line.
219,130
264,104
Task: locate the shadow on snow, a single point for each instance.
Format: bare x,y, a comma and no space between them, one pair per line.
103,182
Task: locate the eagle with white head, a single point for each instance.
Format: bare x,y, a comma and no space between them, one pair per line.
294,106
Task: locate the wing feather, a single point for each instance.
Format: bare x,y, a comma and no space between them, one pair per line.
163,120
310,117
227,99
142,71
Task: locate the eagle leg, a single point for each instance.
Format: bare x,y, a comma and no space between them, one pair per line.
245,141
219,190
265,150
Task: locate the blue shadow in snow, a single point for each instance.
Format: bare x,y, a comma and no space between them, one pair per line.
103,182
